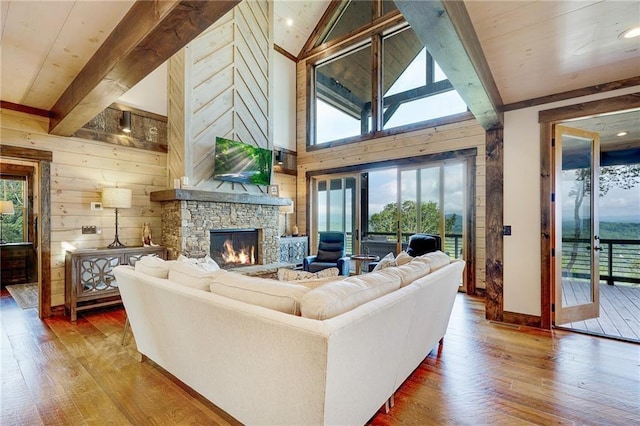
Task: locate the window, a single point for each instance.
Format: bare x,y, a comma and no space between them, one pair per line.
14,225
343,96
414,88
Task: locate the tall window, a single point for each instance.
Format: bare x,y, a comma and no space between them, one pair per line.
413,87
13,188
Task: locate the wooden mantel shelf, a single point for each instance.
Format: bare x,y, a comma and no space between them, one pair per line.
217,197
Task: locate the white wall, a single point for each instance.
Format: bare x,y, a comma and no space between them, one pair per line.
522,278
284,102
150,94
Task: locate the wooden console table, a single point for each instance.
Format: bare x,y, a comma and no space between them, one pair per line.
15,261
89,280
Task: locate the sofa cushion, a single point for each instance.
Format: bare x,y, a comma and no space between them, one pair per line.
277,295
192,275
286,274
437,259
409,272
154,266
337,297
312,283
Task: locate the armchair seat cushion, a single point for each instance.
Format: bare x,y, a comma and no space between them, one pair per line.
319,266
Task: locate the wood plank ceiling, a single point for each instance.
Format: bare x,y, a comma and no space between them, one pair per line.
532,49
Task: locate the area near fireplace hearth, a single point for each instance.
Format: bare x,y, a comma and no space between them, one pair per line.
190,216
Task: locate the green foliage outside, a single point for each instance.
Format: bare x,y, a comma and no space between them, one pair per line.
13,224
385,221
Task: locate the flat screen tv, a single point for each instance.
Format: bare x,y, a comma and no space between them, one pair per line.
242,163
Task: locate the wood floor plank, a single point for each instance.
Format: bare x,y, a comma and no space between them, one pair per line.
58,372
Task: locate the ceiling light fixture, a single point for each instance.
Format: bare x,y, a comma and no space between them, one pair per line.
630,32
289,22
622,134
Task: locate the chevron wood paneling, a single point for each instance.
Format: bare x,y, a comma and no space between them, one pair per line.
222,80
176,117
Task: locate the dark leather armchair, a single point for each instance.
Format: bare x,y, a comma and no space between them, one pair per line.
331,254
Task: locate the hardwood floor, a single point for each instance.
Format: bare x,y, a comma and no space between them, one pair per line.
55,372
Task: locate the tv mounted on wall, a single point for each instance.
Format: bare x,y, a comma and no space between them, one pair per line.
242,163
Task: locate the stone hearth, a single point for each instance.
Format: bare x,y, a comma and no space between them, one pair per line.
189,215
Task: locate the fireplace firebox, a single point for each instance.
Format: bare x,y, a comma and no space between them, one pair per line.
231,248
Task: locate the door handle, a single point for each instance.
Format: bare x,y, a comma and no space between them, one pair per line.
597,248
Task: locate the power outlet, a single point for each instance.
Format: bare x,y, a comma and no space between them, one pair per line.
89,230
506,230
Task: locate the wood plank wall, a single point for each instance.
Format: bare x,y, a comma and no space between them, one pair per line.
220,86
468,134
79,170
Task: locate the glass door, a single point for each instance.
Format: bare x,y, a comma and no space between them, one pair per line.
577,248
336,198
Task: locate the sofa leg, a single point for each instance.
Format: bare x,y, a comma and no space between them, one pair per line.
441,342
389,403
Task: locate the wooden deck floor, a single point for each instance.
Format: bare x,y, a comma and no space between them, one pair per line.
619,309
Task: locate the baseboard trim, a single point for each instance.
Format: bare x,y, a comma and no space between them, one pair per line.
522,319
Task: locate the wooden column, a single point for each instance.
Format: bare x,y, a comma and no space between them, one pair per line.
494,237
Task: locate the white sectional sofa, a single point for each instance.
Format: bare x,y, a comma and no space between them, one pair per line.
267,367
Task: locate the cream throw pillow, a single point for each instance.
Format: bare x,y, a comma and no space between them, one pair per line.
280,296
402,258
192,275
206,263
385,262
154,266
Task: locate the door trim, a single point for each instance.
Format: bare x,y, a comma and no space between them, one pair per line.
547,118
44,159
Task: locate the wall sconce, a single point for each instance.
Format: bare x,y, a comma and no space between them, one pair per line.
279,157
125,121
118,198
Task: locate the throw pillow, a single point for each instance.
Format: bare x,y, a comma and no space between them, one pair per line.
153,265
409,272
402,258
191,275
206,263
272,294
385,262
285,274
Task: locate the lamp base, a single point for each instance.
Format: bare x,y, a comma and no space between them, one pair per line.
116,244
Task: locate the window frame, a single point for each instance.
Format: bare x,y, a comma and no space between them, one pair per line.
374,36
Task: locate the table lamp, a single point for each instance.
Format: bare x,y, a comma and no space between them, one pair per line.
117,198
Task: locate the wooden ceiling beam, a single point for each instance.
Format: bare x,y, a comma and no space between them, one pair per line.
447,32
149,34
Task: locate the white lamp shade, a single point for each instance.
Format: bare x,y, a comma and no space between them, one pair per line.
118,198
6,207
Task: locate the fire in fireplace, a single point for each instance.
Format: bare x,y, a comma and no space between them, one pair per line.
234,247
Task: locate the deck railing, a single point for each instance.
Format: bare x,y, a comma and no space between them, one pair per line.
452,243
619,259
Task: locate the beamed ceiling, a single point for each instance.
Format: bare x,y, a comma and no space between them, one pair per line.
71,59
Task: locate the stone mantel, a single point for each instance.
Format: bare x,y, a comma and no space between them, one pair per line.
217,197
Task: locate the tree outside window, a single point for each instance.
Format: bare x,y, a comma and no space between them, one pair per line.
14,225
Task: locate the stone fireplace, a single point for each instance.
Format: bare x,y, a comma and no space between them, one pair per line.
188,216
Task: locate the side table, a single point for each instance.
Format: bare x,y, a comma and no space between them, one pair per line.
362,261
